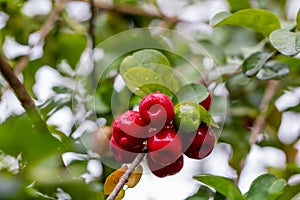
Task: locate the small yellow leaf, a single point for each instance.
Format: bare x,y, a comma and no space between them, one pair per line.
120,195
135,177
113,179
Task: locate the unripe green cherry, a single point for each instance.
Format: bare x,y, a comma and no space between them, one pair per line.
187,116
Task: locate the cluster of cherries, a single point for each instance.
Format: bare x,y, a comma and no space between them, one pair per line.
164,131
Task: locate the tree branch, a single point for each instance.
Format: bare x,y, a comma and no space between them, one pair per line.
44,30
261,119
91,30
23,96
133,10
124,179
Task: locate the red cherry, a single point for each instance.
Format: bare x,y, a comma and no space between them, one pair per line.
165,147
129,130
161,171
122,155
200,145
156,109
206,103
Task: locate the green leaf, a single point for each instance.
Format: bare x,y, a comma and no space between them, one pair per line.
206,117
222,185
71,47
18,136
152,60
298,20
286,42
255,62
265,187
261,21
290,192
137,78
237,5
143,58
204,193
273,70
294,109
153,87
191,92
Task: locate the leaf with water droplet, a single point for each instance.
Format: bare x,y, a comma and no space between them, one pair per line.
137,78
143,58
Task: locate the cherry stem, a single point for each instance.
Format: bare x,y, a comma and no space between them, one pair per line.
124,179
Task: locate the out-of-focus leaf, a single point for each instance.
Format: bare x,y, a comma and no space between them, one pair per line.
204,193
273,70
214,51
72,188
286,42
126,1
237,5
290,192
191,92
113,179
295,108
265,187
274,117
255,62
71,47
52,105
18,136
222,185
298,20
261,21
206,117
19,25
135,177
235,134
29,72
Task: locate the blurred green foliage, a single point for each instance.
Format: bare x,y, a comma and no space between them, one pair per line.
31,165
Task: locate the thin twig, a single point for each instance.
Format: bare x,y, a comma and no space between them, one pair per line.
23,96
43,31
261,119
124,179
91,30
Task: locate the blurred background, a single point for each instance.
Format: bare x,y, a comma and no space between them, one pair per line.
62,51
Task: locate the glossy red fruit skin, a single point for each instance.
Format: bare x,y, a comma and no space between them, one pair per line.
129,130
200,145
206,103
162,171
122,155
156,109
165,147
